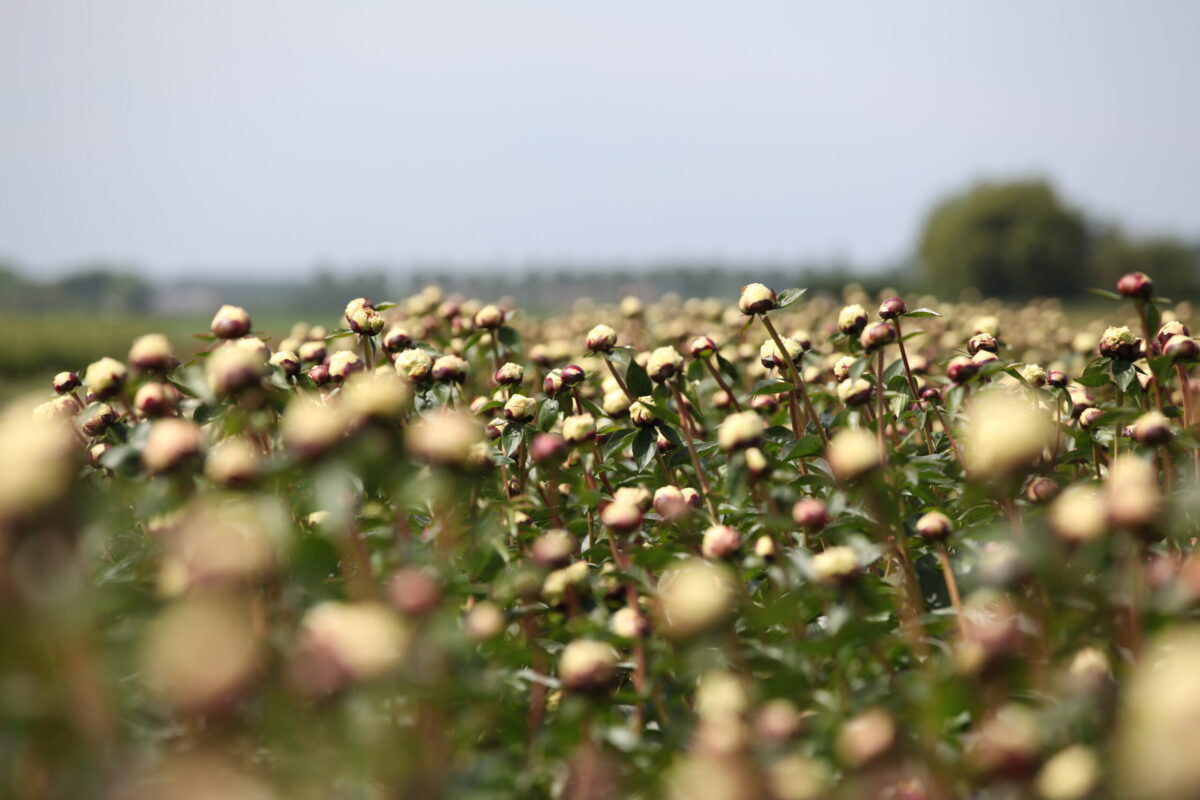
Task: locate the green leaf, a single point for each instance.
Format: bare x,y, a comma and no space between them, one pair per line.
510,439
548,415
728,370
644,445
771,387
509,337
1105,293
788,296
804,447
1095,379
669,433
617,441
637,380
1123,373
922,312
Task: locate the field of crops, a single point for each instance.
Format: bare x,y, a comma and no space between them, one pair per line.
768,546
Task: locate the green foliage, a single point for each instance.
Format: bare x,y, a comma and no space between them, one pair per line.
1007,240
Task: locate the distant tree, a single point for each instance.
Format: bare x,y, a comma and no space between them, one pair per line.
1014,239
1173,264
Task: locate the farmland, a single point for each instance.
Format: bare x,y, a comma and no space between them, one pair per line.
780,545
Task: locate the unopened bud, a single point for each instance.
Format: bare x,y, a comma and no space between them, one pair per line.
810,513
230,322
756,299
1135,284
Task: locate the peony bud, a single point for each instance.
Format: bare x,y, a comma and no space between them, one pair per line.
105,378
1057,378
702,347
396,339
601,339
741,430
450,369
98,420
66,382
414,592
1041,490
982,342
365,322
587,666
579,428
629,623
233,462
641,412
1078,516
1135,284
1088,417
152,353
835,566
1132,495
230,322
1181,348
669,502
415,365
547,448
842,368
1151,429
693,597
484,621
287,361
553,549
855,392
892,307
756,299
852,319
810,513
664,363
876,336
866,737
312,352
622,517
1004,434
720,542
345,363
934,526
520,408
155,399
1034,375
1171,328
573,375
1119,342
961,370
852,453
171,443
769,355
489,318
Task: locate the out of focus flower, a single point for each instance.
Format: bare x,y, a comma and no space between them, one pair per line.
1157,736
694,596
105,378
170,444
1004,434
740,430
342,643
447,438
152,353
852,453
587,665
201,653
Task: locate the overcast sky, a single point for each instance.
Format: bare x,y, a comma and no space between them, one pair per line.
274,133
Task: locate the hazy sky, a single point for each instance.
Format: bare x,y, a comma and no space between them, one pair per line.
280,132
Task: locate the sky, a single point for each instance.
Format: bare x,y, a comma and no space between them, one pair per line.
259,136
